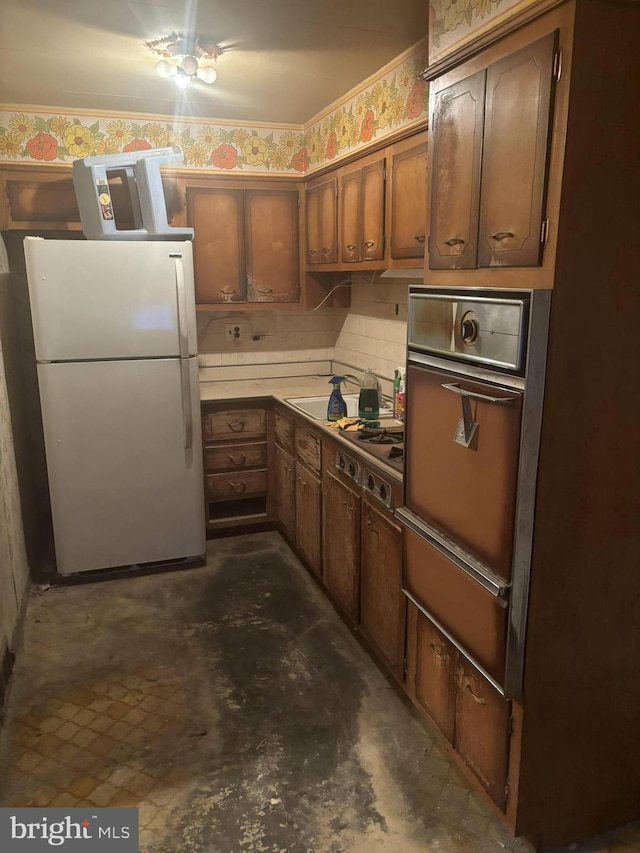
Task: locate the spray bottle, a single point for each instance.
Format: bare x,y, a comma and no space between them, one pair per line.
337,407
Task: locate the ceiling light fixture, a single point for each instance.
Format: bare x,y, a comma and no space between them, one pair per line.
181,57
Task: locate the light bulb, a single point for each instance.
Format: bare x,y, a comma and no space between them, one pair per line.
190,65
183,80
165,69
207,74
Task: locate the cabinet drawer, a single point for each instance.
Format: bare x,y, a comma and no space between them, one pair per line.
308,449
230,486
231,457
234,423
283,429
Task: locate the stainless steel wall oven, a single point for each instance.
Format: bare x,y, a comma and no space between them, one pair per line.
475,383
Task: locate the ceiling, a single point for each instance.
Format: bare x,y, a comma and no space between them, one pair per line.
286,59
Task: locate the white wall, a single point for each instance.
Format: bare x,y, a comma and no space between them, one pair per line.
371,333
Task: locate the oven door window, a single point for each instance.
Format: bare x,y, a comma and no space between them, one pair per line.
462,443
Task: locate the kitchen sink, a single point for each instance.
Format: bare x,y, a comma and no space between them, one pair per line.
317,406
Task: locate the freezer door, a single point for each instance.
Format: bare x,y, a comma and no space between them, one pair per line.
124,460
93,299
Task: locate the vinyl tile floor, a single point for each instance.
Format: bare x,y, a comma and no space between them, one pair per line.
233,708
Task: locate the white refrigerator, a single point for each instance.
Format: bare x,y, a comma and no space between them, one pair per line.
114,328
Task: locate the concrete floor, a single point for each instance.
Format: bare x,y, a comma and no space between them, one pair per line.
235,710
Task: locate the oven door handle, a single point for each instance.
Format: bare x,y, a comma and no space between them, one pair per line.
475,396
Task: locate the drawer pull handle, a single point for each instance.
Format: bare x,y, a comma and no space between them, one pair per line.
264,289
228,291
238,488
501,235
369,243
236,426
313,251
421,238
437,653
475,698
454,241
237,460
475,396
351,247
326,250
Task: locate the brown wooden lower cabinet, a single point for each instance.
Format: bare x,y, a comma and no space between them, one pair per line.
341,527
382,604
482,730
236,479
309,517
285,491
472,715
435,676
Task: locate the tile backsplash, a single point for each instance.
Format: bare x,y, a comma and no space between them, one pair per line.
371,333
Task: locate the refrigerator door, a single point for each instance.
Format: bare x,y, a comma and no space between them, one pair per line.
93,300
124,461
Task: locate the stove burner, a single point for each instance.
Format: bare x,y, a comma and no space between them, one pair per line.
381,436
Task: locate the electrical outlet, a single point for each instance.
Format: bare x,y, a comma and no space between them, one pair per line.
233,332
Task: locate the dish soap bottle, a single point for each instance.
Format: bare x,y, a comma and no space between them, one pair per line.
337,407
369,399
399,394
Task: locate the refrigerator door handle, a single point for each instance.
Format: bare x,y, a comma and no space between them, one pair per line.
187,408
181,296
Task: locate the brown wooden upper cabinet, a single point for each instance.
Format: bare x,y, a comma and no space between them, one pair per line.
322,222
362,212
490,144
408,201
246,247
46,200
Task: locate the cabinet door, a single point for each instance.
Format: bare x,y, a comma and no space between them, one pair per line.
328,222
313,232
514,160
435,676
482,730
285,497
341,534
308,517
273,264
350,217
382,604
409,202
372,216
457,123
216,215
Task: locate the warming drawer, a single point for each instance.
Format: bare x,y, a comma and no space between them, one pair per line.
472,610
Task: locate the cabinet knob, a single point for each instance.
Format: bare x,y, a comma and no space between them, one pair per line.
238,488
326,250
313,251
453,241
420,238
501,235
351,247
369,243
237,460
228,291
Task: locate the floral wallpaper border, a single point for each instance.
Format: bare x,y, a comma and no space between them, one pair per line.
385,103
454,22
396,99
